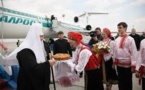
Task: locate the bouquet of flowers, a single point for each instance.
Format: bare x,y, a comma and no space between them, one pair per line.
101,47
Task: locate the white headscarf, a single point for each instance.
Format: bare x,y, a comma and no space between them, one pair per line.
33,42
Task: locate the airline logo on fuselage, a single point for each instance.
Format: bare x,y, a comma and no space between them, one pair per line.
16,20
16,17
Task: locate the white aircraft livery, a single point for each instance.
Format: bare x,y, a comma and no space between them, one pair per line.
15,24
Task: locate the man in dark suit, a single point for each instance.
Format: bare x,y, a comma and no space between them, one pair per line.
136,38
143,35
61,45
98,32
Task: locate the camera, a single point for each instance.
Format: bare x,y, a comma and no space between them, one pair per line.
93,34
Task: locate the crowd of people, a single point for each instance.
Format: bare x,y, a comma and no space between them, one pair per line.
35,58
123,55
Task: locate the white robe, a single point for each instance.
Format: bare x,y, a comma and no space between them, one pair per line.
33,42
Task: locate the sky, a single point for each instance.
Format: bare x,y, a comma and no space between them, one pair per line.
130,11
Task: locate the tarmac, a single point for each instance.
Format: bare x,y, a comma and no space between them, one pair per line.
78,85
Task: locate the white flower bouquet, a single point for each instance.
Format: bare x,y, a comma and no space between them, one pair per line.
101,47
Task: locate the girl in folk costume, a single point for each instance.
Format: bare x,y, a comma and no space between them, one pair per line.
124,57
110,72
141,70
83,58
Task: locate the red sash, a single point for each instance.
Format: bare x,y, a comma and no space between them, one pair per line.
141,71
116,62
123,40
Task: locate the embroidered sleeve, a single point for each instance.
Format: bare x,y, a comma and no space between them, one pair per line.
140,55
83,60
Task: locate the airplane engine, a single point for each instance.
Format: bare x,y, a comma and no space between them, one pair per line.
88,27
76,19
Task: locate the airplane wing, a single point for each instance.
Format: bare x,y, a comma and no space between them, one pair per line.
92,13
82,15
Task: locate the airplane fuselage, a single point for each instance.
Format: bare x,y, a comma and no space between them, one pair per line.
15,24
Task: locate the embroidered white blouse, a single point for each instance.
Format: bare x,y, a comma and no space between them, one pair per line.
128,52
81,61
141,55
142,51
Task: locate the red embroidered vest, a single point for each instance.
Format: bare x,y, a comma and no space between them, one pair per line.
93,62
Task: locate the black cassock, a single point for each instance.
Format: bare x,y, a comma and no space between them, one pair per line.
32,76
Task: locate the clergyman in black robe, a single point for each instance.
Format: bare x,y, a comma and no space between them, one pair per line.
32,76
34,73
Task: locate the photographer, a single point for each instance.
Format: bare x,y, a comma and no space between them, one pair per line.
93,39
98,32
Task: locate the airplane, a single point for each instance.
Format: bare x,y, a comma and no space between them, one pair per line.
14,24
